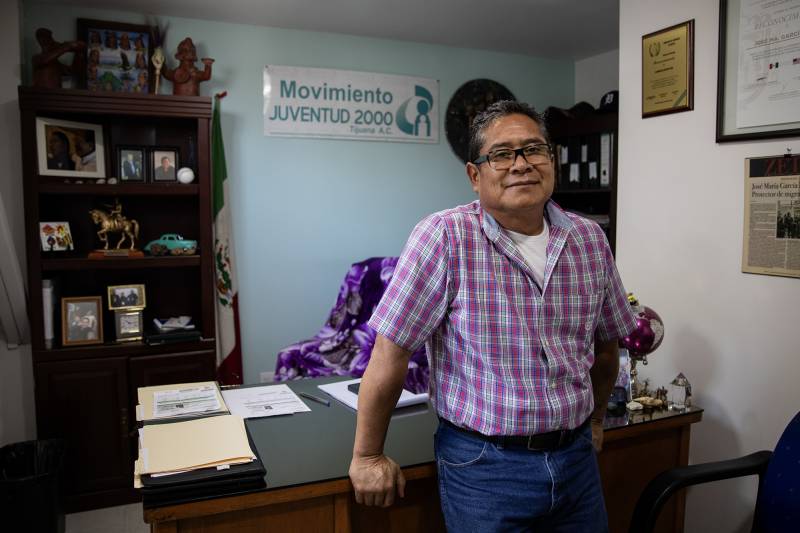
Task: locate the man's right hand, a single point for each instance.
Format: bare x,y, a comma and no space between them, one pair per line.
376,479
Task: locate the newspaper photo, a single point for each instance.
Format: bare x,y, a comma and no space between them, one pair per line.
772,216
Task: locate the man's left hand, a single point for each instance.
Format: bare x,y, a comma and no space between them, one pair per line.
597,435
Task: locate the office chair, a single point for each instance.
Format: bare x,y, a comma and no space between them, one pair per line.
344,344
778,500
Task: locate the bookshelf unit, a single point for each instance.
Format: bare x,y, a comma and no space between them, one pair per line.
86,394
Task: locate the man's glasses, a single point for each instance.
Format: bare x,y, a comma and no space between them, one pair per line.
504,158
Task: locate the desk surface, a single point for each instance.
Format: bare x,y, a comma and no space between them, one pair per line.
317,445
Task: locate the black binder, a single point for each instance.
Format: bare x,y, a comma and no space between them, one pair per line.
205,482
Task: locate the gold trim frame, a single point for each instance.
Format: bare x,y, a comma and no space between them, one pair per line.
88,325
668,70
118,293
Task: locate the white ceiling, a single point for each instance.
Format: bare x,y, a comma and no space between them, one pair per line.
564,29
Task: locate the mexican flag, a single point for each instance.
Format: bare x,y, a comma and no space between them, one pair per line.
229,344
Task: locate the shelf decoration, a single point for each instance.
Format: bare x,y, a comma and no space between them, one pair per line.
55,236
71,149
114,222
127,302
130,162
163,162
48,71
81,321
118,56
186,78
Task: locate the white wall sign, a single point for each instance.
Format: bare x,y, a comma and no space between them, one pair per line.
345,104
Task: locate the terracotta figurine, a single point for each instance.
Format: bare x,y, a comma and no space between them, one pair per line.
186,78
47,69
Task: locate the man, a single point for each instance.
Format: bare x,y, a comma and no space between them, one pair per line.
85,157
131,168
520,306
166,172
58,157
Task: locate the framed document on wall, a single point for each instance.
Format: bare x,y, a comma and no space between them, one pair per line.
668,70
758,86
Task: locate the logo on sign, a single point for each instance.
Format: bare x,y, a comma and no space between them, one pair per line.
419,123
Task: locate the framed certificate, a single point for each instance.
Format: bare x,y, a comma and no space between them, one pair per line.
668,70
758,88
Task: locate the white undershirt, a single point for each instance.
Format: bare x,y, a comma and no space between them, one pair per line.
534,249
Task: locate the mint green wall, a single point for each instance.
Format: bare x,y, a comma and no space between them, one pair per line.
305,209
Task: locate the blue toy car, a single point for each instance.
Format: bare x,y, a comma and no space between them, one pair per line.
171,243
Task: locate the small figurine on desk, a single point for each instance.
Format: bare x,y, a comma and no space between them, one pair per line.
114,222
186,78
47,69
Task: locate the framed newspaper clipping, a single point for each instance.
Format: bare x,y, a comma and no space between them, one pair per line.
772,216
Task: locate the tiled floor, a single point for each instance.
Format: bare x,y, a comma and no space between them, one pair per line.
122,519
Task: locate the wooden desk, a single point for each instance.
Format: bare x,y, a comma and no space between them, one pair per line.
307,456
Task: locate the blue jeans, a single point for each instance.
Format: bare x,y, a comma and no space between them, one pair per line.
488,488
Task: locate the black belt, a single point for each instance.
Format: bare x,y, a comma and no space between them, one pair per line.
541,442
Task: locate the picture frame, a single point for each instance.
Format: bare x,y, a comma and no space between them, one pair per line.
129,325
118,56
71,149
81,320
55,236
668,70
161,171
126,297
745,109
132,163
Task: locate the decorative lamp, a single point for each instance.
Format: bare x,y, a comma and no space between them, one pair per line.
643,340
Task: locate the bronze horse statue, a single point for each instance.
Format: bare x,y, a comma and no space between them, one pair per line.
114,222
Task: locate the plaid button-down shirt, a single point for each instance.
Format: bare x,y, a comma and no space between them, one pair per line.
507,357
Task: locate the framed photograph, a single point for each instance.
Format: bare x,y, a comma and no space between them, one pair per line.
164,164
73,149
129,325
131,163
55,236
668,70
81,320
118,56
122,297
758,86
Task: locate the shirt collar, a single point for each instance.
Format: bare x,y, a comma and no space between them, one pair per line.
555,216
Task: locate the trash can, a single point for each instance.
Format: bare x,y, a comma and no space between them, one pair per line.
30,491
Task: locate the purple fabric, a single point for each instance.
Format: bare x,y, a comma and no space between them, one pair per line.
344,344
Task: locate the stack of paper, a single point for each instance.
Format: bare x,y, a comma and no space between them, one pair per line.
216,441
266,400
179,400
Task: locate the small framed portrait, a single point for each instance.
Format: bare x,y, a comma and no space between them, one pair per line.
163,164
118,56
131,163
55,236
66,148
81,320
129,325
122,297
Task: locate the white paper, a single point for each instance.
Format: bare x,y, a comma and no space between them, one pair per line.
769,58
181,402
574,172
584,153
593,170
340,392
564,155
268,400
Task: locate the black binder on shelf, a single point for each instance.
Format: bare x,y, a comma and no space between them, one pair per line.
204,483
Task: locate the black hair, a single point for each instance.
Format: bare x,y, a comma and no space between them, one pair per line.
500,109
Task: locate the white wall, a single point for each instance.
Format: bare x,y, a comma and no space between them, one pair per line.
16,379
595,76
679,249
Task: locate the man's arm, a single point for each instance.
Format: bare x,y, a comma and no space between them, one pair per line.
376,477
604,375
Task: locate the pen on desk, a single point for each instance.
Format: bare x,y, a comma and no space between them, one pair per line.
317,399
